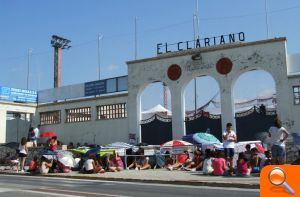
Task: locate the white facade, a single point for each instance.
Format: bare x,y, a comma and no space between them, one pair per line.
268,55
7,131
93,131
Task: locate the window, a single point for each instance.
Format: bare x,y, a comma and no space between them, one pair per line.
111,111
296,90
50,117
78,114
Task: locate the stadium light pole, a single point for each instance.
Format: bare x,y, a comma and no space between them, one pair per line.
28,66
100,37
58,43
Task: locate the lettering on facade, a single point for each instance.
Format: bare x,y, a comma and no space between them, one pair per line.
198,43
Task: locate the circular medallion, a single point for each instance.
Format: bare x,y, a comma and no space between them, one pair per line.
224,66
174,72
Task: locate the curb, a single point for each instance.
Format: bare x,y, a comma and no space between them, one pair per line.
172,182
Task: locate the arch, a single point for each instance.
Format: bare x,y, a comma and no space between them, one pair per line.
206,118
254,117
155,120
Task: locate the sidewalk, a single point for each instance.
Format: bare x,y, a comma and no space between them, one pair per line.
161,176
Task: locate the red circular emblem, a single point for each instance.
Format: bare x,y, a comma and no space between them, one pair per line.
224,66
174,72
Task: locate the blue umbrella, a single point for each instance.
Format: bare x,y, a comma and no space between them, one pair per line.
93,151
205,138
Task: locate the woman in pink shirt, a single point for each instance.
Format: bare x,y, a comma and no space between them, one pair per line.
219,165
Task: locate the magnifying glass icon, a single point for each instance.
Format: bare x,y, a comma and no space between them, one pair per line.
277,177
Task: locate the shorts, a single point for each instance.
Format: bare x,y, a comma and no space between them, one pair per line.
278,151
22,155
34,142
229,152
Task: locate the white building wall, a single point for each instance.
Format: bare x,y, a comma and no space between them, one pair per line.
8,129
95,131
267,55
295,124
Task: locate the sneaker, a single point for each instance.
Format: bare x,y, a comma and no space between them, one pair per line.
127,168
136,168
193,169
170,168
22,171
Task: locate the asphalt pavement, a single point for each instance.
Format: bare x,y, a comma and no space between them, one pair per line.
23,186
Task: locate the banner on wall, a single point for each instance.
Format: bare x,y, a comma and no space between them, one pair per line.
18,95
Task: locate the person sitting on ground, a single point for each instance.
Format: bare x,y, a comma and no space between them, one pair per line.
243,166
45,165
267,160
207,163
141,164
180,161
168,159
70,146
33,164
248,152
219,165
120,164
112,164
89,166
53,143
197,163
255,161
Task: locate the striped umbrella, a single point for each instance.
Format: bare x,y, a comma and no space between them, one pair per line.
176,143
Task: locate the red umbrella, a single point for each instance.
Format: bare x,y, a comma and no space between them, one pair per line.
176,143
48,134
260,148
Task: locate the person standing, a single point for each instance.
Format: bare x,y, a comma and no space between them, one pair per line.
36,135
23,152
278,135
229,139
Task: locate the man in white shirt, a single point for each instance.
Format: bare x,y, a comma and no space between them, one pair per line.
229,139
278,136
36,135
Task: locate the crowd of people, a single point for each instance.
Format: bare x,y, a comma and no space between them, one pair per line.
216,162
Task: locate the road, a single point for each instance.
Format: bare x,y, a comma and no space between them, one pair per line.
23,186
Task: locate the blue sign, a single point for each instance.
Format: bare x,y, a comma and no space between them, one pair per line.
18,95
95,88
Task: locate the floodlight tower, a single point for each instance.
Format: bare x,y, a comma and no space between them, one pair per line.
58,43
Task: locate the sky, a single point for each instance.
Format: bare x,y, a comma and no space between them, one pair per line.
31,23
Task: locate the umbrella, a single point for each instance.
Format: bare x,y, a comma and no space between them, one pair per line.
93,151
176,143
119,145
260,148
80,150
48,134
66,158
205,138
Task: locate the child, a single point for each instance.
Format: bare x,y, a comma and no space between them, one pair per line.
219,165
120,165
248,152
33,164
207,163
197,162
255,161
242,165
89,165
267,160
45,165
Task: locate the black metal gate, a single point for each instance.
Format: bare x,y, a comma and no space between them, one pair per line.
250,125
204,122
156,130
254,123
